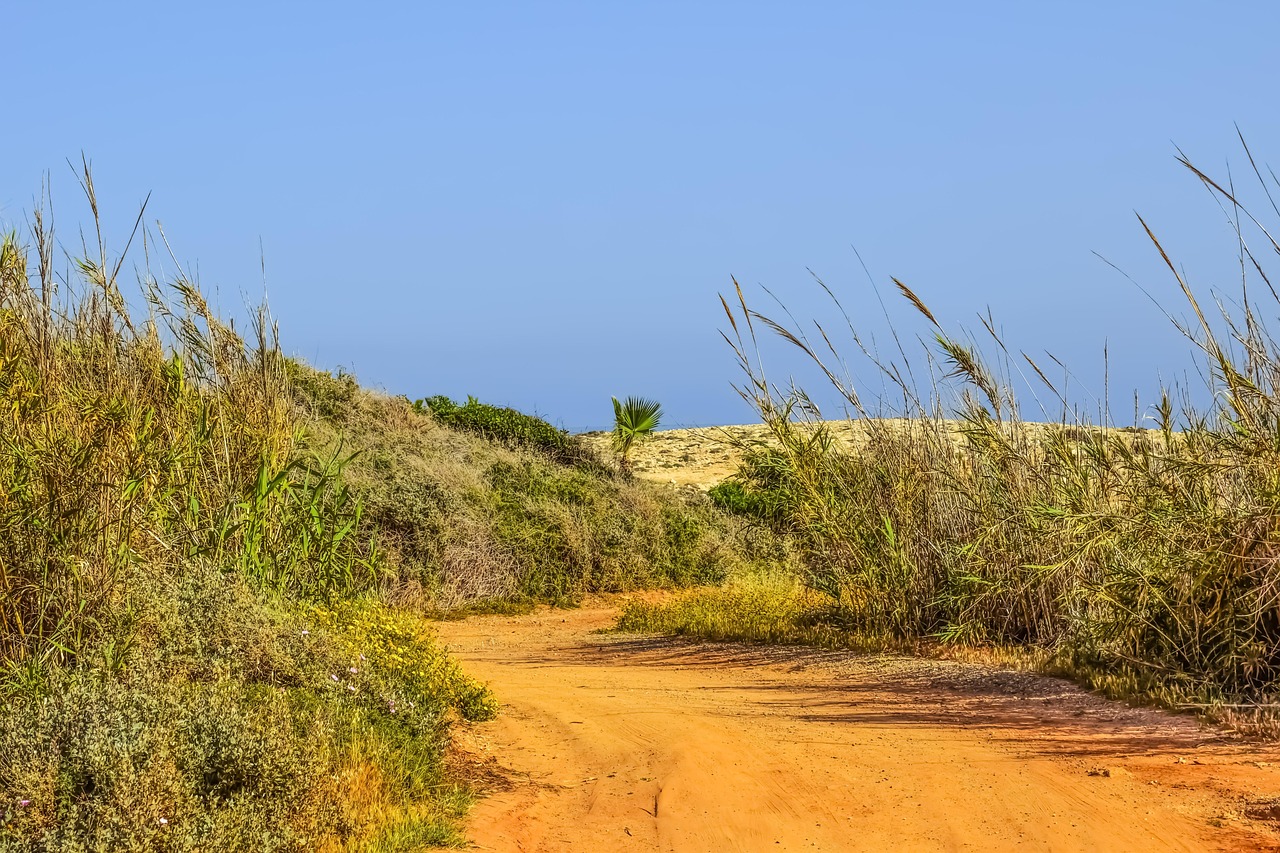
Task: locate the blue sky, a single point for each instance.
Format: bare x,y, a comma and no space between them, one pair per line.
537,203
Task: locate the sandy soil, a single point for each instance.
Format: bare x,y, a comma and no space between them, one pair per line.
686,457
615,743
704,456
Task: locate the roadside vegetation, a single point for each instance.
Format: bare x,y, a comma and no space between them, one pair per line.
215,563
195,652
1143,560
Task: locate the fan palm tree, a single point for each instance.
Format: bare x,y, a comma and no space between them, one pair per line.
634,420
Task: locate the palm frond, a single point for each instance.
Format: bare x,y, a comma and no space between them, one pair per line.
634,418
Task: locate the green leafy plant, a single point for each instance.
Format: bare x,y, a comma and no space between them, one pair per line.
507,425
634,420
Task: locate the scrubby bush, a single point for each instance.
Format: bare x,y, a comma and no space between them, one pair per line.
233,723
760,488
573,533
509,426
326,395
100,763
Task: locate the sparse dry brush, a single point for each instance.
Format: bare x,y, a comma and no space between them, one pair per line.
1147,561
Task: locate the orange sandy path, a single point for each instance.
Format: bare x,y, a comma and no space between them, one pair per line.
635,744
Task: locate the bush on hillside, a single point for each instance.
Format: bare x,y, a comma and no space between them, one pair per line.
760,504
468,522
327,395
509,426
571,533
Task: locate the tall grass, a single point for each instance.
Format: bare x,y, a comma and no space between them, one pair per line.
193,654
144,443
1146,559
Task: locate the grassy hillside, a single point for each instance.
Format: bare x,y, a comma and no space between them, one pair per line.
476,519
215,564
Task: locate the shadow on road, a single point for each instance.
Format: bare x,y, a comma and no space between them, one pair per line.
1041,715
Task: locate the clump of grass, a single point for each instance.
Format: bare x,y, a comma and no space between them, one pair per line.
1143,560
774,606
151,444
770,607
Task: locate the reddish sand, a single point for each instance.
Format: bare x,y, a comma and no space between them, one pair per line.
609,743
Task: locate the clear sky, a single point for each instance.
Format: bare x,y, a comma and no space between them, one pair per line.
537,203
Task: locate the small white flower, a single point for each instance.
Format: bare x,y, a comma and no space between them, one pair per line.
164,821
351,687
334,677
306,633
362,658
353,670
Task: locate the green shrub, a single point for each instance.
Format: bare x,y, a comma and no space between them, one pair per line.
506,425
236,722
572,533
144,765
746,498
733,497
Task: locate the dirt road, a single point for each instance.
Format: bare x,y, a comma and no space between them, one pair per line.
611,743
